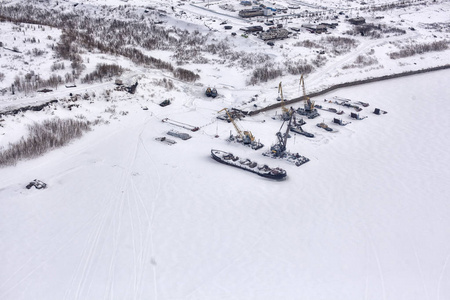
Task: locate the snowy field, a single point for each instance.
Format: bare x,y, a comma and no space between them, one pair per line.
126,217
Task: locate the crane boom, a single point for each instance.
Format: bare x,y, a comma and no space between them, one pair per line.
302,83
280,93
309,105
244,135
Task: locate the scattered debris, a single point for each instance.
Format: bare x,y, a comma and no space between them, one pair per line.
365,104
330,109
37,184
165,103
324,126
27,108
130,89
182,125
181,135
297,128
340,122
378,111
211,92
165,140
300,130
346,103
45,91
356,116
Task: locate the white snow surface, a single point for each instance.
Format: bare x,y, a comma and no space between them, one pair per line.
127,217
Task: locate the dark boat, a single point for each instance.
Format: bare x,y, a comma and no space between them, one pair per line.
247,165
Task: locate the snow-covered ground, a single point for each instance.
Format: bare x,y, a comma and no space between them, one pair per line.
127,217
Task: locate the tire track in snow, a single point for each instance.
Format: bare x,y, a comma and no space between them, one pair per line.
150,218
422,277
441,277
36,257
87,253
133,236
101,230
118,217
377,259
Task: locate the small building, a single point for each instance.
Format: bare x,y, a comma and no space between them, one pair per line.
274,34
357,21
268,12
246,3
250,29
315,28
330,25
248,13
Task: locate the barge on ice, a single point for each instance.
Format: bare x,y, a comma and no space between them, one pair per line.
247,165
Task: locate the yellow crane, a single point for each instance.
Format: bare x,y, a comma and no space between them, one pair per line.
246,136
309,105
286,112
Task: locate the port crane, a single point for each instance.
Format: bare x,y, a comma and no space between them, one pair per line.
308,109
246,136
285,112
309,105
279,148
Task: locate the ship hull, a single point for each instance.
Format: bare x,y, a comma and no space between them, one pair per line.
231,160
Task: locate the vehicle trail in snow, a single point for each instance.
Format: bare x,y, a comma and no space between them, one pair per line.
419,266
118,218
149,234
377,259
441,277
36,257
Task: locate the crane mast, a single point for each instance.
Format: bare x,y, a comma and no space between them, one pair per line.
280,93
309,105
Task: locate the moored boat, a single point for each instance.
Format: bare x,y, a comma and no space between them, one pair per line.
247,165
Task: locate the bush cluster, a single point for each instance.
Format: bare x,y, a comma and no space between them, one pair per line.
299,67
42,138
265,73
414,49
101,71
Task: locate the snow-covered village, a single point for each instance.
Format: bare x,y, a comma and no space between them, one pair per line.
200,149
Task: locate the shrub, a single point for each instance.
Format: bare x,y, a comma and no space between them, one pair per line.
185,75
299,67
101,71
43,137
264,74
414,49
